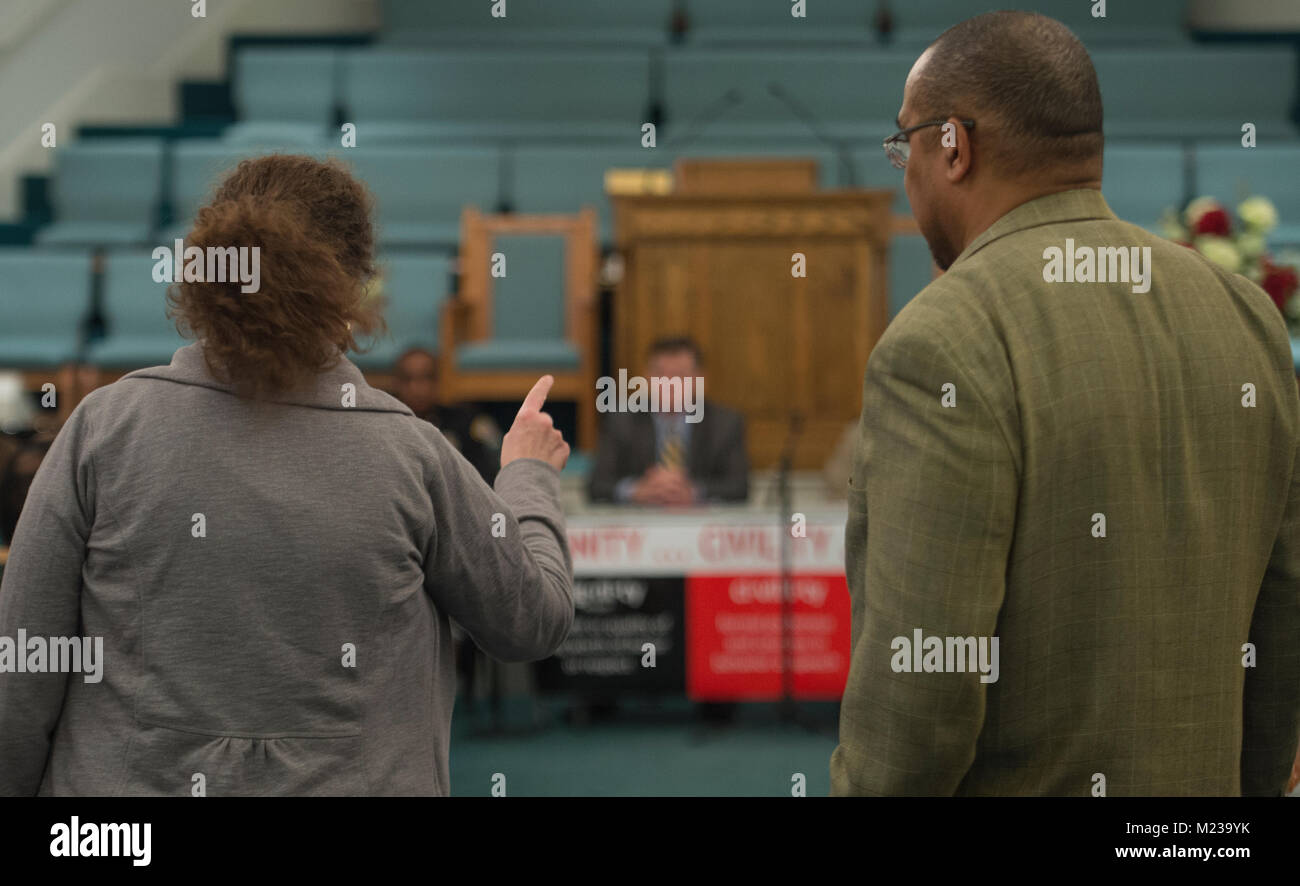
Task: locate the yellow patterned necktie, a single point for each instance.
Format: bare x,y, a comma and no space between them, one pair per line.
670,454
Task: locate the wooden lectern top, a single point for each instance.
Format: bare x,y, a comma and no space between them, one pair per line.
726,176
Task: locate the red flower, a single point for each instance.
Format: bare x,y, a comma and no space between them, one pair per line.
1280,282
1213,221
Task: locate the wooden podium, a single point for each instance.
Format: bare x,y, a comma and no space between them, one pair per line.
714,259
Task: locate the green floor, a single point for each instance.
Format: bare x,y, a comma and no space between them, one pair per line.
644,749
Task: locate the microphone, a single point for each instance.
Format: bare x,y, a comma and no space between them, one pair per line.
706,118
810,121
780,488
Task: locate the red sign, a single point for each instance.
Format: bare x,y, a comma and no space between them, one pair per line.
734,636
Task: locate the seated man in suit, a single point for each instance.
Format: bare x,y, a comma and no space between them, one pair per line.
660,458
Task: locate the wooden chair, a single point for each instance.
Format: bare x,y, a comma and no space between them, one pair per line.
488,354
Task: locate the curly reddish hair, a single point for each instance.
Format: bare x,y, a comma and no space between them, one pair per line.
311,220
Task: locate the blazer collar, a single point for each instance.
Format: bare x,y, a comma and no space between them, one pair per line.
325,391
1077,205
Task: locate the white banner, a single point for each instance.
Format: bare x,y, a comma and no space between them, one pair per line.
667,544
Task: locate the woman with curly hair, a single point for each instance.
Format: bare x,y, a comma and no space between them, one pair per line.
269,550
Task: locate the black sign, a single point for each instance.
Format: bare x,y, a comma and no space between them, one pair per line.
622,625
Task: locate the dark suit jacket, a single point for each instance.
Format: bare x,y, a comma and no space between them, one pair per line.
1120,654
716,461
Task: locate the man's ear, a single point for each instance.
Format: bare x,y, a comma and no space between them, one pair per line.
954,141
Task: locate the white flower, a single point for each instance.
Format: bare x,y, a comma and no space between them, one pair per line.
1251,244
1220,251
1171,228
1258,214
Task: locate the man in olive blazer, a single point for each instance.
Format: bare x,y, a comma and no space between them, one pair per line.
1089,460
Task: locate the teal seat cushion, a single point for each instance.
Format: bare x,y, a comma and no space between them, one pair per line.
416,233
135,350
506,354
1295,353
278,132
94,233
38,351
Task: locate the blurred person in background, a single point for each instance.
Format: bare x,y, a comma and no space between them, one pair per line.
471,431
661,458
20,459
473,434
270,549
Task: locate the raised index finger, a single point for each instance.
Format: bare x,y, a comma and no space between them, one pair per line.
537,396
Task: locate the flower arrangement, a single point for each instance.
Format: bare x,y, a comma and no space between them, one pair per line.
1206,226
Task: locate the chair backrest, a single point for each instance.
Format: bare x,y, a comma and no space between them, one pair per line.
528,302
415,286
108,180
1231,174
1134,23
134,304
1140,182
43,295
286,84
426,183
1196,93
710,19
197,167
542,19
492,93
550,275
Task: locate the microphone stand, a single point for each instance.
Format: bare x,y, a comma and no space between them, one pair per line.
706,118
809,120
789,712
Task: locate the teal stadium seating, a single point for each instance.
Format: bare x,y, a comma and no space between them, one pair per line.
105,192
565,178
854,95
1203,93
415,286
134,308
910,270
420,190
590,22
44,299
1141,23
719,22
465,94
1273,171
1140,182
873,170
528,309
198,165
284,94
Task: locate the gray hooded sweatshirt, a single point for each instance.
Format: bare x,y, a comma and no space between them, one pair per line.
272,583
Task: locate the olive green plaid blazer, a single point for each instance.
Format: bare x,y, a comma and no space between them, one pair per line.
1106,481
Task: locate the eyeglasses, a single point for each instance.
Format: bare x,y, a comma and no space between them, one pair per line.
897,147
